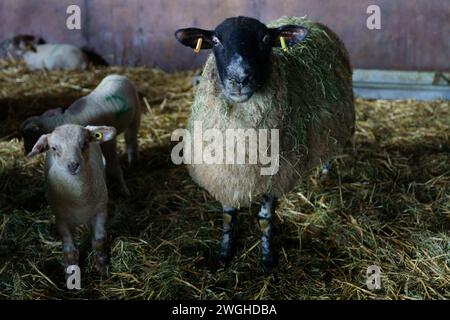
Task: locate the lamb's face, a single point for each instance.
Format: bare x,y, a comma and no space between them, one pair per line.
19,45
69,145
242,48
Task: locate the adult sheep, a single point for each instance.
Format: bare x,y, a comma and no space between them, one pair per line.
304,91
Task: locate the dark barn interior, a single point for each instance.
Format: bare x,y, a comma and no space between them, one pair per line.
385,202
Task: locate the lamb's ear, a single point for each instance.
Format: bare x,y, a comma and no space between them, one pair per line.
40,146
27,46
101,134
30,126
189,37
292,35
52,112
31,47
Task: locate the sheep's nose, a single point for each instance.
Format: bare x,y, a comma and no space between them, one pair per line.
74,167
242,78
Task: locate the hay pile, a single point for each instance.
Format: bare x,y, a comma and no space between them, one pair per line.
387,205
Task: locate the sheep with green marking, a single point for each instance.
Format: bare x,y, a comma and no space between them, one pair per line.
303,90
115,102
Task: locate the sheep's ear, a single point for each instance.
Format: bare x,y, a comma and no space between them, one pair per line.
101,134
292,35
189,37
40,146
31,47
26,45
53,112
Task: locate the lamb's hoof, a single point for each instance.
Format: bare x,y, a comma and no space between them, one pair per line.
269,262
101,265
125,192
133,164
71,258
103,270
326,167
224,259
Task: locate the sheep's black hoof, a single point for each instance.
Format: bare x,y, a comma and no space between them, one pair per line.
227,249
225,256
265,221
227,245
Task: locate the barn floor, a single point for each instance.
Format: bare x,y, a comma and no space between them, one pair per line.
387,204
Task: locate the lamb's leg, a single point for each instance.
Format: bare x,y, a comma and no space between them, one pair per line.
227,245
113,169
132,146
325,169
99,243
69,249
265,221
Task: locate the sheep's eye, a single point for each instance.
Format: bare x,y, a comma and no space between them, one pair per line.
215,41
266,39
54,148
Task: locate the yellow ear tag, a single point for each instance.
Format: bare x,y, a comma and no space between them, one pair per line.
98,136
283,44
199,45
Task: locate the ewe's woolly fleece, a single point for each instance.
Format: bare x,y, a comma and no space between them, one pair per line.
308,98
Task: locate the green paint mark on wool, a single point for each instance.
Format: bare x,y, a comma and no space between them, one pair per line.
121,105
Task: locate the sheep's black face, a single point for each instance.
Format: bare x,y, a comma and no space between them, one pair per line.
242,48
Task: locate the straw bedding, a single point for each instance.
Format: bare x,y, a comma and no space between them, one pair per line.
385,203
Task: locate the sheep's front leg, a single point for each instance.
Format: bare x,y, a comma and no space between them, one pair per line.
113,169
69,249
265,221
227,245
99,243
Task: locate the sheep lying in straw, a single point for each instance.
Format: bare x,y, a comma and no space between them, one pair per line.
53,57
304,90
17,45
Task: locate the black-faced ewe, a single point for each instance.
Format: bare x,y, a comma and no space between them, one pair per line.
115,102
293,75
76,187
40,55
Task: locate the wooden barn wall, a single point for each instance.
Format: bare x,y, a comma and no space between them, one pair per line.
414,36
